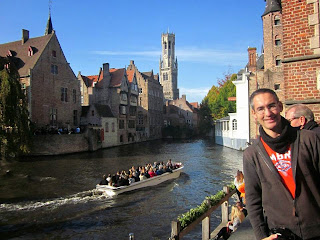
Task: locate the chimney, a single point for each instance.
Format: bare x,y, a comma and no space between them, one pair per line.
252,54
184,97
25,36
106,69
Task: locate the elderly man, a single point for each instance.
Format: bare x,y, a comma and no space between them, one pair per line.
299,115
282,174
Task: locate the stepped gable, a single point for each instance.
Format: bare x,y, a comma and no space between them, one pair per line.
27,52
116,76
130,74
272,6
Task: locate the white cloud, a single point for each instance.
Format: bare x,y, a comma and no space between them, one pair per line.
194,94
188,54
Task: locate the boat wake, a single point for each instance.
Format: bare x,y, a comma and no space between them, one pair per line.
82,197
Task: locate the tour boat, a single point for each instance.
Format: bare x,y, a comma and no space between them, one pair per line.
112,191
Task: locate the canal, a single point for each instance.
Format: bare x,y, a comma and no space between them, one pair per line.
54,198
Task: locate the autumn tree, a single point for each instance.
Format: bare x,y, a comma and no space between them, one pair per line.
14,124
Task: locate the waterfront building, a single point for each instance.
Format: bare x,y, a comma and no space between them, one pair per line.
169,67
50,85
112,89
233,131
180,113
150,103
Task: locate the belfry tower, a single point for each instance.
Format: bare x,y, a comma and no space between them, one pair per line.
169,67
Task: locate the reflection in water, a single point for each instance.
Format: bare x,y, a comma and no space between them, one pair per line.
55,197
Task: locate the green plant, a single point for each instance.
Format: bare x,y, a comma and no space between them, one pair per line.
194,213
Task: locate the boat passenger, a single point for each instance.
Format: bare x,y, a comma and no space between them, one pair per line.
166,169
103,180
169,164
131,179
109,178
159,171
152,173
142,176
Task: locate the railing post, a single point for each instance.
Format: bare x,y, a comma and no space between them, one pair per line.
175,230
224,207
206,225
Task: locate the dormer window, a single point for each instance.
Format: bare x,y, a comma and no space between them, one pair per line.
54,53
30,51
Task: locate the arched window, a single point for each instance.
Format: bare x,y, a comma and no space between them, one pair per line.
234,124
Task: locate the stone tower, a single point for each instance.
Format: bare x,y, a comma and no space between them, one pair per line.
273,48
169,67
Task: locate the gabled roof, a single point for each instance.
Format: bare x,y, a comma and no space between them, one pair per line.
20,51
194,104
130,74
90,80
116,76
103,110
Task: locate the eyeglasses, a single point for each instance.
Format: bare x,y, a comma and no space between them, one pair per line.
271,107
290,120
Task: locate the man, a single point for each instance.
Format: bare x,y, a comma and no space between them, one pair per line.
299,115
282,176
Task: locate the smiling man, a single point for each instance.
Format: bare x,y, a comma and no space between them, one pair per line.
282,176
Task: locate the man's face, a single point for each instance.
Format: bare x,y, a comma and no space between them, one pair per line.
294,121
266,111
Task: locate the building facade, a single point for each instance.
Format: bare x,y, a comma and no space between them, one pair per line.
150,103
51,87
169,67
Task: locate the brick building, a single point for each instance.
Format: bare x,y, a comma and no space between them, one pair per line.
301,47
150,103
52,89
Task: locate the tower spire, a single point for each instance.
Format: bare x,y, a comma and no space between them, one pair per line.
49,28
272,6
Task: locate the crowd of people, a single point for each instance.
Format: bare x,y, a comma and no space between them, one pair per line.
140,173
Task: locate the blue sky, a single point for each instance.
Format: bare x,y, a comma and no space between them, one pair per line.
212,36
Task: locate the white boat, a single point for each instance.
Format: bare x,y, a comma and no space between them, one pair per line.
112,191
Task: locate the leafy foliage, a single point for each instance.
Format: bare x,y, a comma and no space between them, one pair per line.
14,124
194,213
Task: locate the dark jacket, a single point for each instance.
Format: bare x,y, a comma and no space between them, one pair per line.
269,203
313,126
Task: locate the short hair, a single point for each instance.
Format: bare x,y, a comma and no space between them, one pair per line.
261,91
302,110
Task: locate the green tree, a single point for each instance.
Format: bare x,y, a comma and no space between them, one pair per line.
15,132
205,119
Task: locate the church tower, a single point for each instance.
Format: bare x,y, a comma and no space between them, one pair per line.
169,67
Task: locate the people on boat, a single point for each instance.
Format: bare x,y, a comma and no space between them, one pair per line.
104,180
135,174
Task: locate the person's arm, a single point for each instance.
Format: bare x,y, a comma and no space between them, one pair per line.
254,198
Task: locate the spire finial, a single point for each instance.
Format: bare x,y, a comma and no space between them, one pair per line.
49,28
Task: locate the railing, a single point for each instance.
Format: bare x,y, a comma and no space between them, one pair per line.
177,232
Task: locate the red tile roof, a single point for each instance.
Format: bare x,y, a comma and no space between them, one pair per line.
130,74
116,76
195,104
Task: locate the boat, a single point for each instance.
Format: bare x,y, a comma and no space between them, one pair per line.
112,191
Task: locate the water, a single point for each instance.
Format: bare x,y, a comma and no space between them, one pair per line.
54,197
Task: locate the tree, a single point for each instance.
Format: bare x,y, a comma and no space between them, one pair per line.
205,119
15,132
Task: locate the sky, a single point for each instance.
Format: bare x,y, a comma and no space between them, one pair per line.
212,36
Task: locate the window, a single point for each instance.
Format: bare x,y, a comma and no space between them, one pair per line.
278,61
140,90
106,127
133,99
140,103
140,119
131,124
92,113
277,86
30,52
121,124
124,97
234,124
278,42
75,117
277,20
53,117
122,110
54,53
74,95
134,87
169,45
165,45
54,69
64,94
132,111
81,99
113,129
